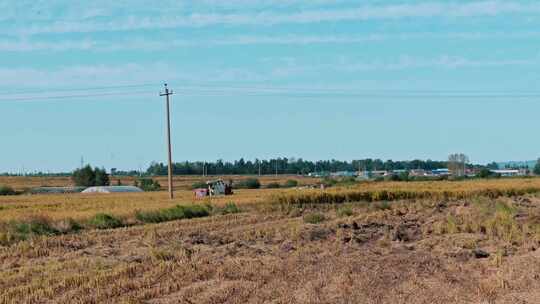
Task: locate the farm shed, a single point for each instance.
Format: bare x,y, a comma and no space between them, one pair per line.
112,189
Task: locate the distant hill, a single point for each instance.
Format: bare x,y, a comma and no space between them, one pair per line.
517,164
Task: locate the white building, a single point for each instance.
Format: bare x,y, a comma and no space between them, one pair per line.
508,172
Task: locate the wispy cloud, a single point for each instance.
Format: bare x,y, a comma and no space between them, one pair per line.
442,61
30,46
365,38
80,75
147,44
291,67
107,75
104,75
32,10
268,17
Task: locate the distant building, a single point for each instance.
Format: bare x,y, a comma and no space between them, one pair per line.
472,172
344,174
441,172
418,172
379,173
363,175
510,172
318,174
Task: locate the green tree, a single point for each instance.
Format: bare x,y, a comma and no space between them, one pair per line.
85,177
6,190
537,168
492,166
88,177
291,183
404,176
148,184
102,178
250,183
484,173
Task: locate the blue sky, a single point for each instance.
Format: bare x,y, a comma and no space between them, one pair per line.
317,79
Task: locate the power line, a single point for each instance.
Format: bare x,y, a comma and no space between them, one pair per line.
269,89
35,98
37,91
317,93
352,94
289,93
288,96
333,90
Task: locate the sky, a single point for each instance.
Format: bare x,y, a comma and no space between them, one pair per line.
316,79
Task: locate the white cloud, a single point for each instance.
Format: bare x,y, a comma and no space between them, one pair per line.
185,18
287,67
36,10
142,44
81,75
270,69
146,44
442,61
117,75
29,46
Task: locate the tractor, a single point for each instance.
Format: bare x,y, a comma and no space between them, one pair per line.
214,188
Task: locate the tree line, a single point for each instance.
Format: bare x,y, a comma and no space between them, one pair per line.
289,166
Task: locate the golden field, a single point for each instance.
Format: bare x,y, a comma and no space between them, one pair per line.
469,247
83,206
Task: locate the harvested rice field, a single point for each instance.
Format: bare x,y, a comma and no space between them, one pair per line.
479,245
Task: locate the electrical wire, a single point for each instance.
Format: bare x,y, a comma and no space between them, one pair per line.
257,91
202,87
75,96
358,94
311,89
37,91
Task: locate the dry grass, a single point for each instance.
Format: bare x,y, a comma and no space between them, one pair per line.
83,206
406,251
391,191
372,255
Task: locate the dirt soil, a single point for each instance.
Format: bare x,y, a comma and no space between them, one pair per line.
396,254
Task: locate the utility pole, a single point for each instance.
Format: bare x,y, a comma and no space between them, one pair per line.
167,94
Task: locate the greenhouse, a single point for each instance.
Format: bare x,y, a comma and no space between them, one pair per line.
112,189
